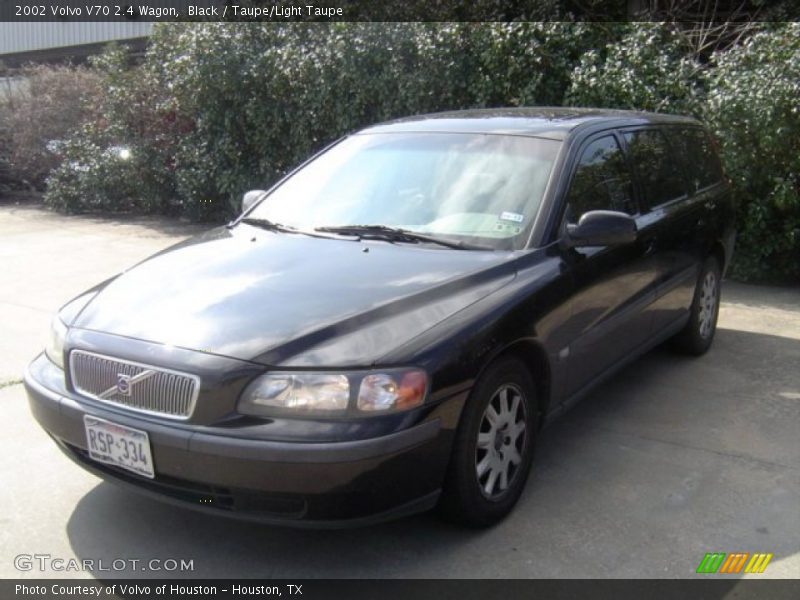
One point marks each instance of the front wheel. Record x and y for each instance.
(696, 337)
(493, 449)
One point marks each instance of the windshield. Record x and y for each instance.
(470, 187)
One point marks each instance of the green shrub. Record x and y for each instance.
(120, 160)
(92, 176)
(648, 68)
(753, 105)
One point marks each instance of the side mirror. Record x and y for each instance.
(601, 228)
(251, 198)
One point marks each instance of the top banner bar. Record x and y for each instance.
(388, 10)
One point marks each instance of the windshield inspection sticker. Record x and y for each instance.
(511, 216)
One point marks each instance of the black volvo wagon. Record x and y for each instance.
(389, 326)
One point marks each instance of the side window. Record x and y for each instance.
(655, 166)
(704, 166)
(601, 181)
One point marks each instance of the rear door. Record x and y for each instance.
(615, 285)
(668, 165)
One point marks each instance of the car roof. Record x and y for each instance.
(547, 122)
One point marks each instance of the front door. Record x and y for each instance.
(614, 286)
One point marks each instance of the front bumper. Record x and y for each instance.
(304, 484)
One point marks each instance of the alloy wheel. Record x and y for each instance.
(708, 304)
(502, 436)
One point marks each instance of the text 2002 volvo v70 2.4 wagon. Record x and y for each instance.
(389, 326)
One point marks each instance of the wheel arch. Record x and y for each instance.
(533, 355)
(718, 252)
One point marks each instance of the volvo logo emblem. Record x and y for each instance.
(123, 384)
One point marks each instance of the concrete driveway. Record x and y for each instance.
(671, 459)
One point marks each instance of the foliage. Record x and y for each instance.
(647, 68)
(753, 107)
(44, 108)
(121, 160)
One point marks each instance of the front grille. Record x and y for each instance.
(138, 387)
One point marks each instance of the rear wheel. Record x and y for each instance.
(493, 449)
(696, 337)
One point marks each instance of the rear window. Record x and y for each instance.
(701, 161)
(656, 167)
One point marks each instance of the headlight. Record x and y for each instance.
(382, 392)
(55, 343)
(300, 392)
(334, 393)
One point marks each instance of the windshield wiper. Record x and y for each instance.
(269, 225)
(280, 227)
(396, 234)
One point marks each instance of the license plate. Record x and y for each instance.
(119, 446)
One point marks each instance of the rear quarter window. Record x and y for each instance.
(700, 158)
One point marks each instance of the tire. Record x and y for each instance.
(502, 451)
(696, 337)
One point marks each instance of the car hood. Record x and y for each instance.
(291, 299)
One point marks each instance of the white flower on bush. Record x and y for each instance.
(121, 152)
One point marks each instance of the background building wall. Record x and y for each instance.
(69, 40)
